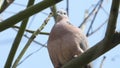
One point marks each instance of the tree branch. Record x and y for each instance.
(67, 7)
(30, 41)
(17, 39)
(98, 28)
(53, 10)
(101, 64)
(35, 41)
(112, 19)
(84, 21)
(26, 13)
(31, 31)
(5, 4)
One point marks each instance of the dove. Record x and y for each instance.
(65, 41)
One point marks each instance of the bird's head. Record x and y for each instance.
(61, 14)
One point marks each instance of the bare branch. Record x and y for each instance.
(90, 14)
(98, 28)
(31, 31)
(67, 3)
(36, 41)
(33, 40)
(29, 55)
(102, 61)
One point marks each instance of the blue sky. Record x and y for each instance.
(76, 16)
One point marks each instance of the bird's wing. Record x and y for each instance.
(83, 42)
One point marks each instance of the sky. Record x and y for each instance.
(41, 58)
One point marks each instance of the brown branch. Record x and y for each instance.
(112, 19)
(101, 47)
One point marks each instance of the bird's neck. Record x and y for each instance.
(62, 19)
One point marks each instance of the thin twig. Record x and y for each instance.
(36, 41)
(98, 28)
(104, 10)
(29, 55)
(89, 14)
(31, 21)
(96, 12)
(33, 40)
(19, 4)
(102, 61)
(67, 3)
(31, 31)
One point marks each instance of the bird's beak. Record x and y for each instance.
(58, 14)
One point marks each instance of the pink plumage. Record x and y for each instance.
(65, 41)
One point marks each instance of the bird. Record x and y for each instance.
(65, 41)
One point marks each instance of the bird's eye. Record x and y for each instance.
(64, 13)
